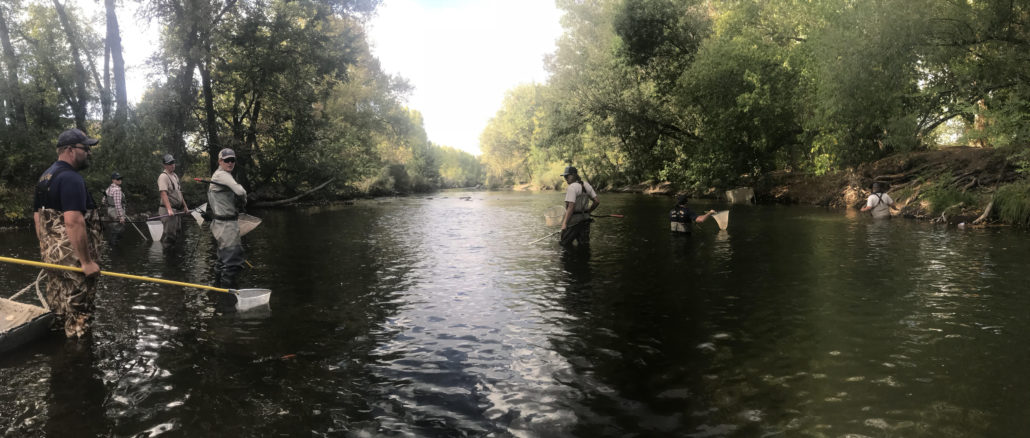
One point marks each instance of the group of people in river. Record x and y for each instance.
(581, 200)
(69, 226)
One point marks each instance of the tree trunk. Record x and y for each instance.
(213, 145)
(13, 83)
(114, 41)
(81, 97)
(251, 144)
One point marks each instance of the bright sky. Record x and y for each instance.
(461, 56)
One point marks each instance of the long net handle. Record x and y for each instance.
(111, 274)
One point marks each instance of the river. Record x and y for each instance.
(432, 316)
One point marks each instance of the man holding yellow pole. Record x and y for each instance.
(69, 231)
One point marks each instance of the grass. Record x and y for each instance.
(1013, 204)
(941, 197)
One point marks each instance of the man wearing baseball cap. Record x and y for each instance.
(222, 196)
(69, 231)
(115, 203)
(172, 201)
(575, 226)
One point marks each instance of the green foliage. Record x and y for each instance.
(1013, 204)
(942, 196)
(290, 85)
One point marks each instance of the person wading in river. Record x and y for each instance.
(172, 201)
(222, 197)
(115, 203)
(69, 231)
(575, 225)
(879, 202)
(680, 216)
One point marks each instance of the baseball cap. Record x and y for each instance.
(226, 153)
(168, 159)
(116, 175)
(73, 137)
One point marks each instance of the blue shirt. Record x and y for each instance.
(62, 188)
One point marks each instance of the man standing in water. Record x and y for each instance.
(575, 225)
(68, 227)
(115, 208)
(880, 203)
(172, 201)
(681, 216)
(221, 197)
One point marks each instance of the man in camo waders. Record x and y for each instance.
(575, 224)
(222, 196)
(68, 227)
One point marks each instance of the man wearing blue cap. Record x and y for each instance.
(69, 231)
(222, 197)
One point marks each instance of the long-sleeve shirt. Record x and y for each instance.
(114, 200)
(226, 179)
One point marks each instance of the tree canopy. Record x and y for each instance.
(290, 85)
(710, 93)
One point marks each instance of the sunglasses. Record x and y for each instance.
(79, 146)
(229, 160)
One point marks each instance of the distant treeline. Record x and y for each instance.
(709, 93)
(289, 84)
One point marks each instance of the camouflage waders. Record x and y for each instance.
(70, 295)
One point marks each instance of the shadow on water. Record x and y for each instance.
(434, 317)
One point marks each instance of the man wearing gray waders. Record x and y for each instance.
(172, 201)
(69, 232)
(222, 196)
(575, 225)
(115, 203)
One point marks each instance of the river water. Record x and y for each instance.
(434, 317)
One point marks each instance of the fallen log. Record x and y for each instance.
(293, 199)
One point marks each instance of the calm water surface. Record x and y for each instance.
(433, 317)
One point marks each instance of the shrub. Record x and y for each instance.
(1012, 204)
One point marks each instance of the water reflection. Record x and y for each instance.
(433, 317)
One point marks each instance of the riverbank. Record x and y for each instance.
(952, 185)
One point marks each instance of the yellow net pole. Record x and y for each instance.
(111, 274)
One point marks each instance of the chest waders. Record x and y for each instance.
(225, 226)
(70, 295)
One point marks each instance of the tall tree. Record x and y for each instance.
(114, 47)
(80, 77)
(13, 83)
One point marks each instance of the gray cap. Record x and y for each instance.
(168, 159)
(226, 153)
(74, 137)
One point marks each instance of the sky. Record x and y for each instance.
(461, 56)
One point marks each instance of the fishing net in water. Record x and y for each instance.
(722, 218)
(553, 215)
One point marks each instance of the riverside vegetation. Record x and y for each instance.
(805, 101)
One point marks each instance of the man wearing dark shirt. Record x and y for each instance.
(68, 228)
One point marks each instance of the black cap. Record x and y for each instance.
(570, 171)
(116, 175)
(73, 137)
(682, 200)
